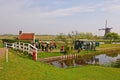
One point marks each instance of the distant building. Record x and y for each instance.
(26, 36)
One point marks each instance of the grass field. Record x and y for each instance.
(40, 37)
(109, 45)
(19, 68)
(1, 45)
(23, 68)
(101, 48)
(48, 54)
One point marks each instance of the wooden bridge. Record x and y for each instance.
(57, 58)
(25, 47)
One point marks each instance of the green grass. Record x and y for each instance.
(108, 45)
(20, 68)
(1, 45)
(48, 54)
(113, 47)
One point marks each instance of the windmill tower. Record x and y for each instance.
(106, 29)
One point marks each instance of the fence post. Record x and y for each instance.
(23, 47)
(13, 45)
(19, 46)
(6, 52)
(36, 54)
(29, 49)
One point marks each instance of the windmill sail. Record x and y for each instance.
(107, 29)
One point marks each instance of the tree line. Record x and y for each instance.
(75, 35)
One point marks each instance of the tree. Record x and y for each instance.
(67, 47)
(89, 35)
(74, 35)
(62, 37)
(112, 36)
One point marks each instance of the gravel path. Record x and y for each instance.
(2, 51)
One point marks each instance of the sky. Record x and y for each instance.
(58, 16)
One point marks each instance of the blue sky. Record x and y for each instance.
(58, 16)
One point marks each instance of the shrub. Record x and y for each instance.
(12, 41)
(69, 49)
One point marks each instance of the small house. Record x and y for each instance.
(26, 36)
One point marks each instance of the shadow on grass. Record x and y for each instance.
(21, 54)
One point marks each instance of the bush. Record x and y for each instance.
(69, 49)
(12, 41)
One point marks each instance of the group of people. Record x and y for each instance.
(86, 45)
(45, 46)
(89, 45)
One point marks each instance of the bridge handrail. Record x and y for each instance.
(22, 46)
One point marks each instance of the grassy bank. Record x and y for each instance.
(20, 68)
(104, 48)
(48, 54)
(1, 44)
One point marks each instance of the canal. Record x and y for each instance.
(101, 59)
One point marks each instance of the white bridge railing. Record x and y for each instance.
(25, 47)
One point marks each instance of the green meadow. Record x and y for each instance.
(21, 67)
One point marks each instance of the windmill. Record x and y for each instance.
(107, 29)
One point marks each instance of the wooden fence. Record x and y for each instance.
(25, 47)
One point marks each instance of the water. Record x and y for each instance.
(102, 59)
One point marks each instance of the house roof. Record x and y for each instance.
(26, 36)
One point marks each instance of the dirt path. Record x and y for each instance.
(2, 51)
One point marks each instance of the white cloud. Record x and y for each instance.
(108, 6)
(111, 8)
(20, 7)
(114, 8)
(23, 13)
(57, 2)
(69, 11)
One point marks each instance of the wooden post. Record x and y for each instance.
(6, 54)
(23, 47)
(19, 46)
(29, 49)
(13, 46)
(36, 54)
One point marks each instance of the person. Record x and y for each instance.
(84, 45)
(42, 46)
(91, 45)
(97, 44)
(62, 49)
(37, 45)
(55, 46)
(80, 46)
(94, 46)
(51, 46)
(47, 46)
(87, 45)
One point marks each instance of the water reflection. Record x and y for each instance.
(112, 55)
(116, 64)
(102, 59)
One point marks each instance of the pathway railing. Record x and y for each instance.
(25, 47)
